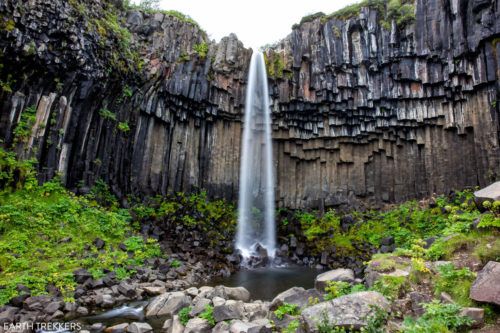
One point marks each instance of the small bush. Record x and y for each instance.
(286, 308)
(201, 49)
(184, 315)
(456, 282)
(438, 317)
(123, 127)
(208, 315)
(391, 286)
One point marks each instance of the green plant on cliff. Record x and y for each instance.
(201, 49)
(123, 127)
(274, 64)
(208, 315)
(456, 282)
(23, 128)
(107, 114)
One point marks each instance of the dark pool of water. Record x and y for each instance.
(266, 283)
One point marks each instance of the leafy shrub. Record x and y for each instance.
(456, 282)
(391, 286)
(175, 263)
(22, 131)
(286, 308)
(184, 315)
(489, 221)
(107, 115)
(123, 127)
(438, 317)
(201, 49)
(208, 315)
(292, 327)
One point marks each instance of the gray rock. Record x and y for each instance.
(139, 328)
(82, 311)
(126, 289)
(7, 315)
(258, 326)
(236, 293)
(295, 295)
(340, 274)
(230, 310)
(199, 306)
(476, 314)
(154, 291)
(351, 310)
(197, 325)
(53, 307)
(486, 287)
(221, 327)
(490, 193)
(167, 305)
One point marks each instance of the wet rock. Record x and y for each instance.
(139, 328)
(347, 311)
(486, 287)
(341, 274)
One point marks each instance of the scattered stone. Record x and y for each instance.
(221, 327)
(81, 275)
(476, 314)
(417, 299)
(446, 298)
(486, 287)
(53, 307)
(218, 301)
(347, 311)
(341, 274)
(120, 328)
(154, 291)
(98, 243)
(257, 326)
(82, 311)
(197, 325)
(7, 315)
(199, 306)
(139, 328)
(237, 293)
(126, 289)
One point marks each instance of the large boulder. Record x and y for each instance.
(295, 295)
(489, 193)
(167, 305)
(486, 287)
(347, 311)
(229, 310)
(236, 293)
(340, 274)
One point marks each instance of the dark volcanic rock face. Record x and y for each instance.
(359, 112)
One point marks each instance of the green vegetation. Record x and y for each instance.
(286, 309)
(201, 49)
(184, 315)
(438, 317)
(127, 92)
(275, 64)
(401, 11)
(45, 232)
(6, 85)
(23, 128)
(216, 218)
(456, 282)
(336, 289)
(208, 315)
(123, 127)
(391, 286)
(292, 327)
(7, 23)
(107, 115)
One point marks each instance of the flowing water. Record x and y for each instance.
(256, 223)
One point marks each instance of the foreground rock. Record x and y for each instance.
(341, 274)
(489, 193)
(486, 287)
(352, 310)
(296, 295)
(167, 305)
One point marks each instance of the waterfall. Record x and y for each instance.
(256, 225)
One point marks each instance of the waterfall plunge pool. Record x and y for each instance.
(267, 282)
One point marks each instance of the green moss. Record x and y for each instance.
(383, 262)
(275, 64)
(286, 309)
(107, 114)
(488, 249)
(7, 24)
(391, 286)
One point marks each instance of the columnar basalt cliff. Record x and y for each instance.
(361, 110)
